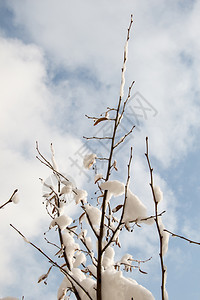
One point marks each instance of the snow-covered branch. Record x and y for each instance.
(14, 198)
(182, 237)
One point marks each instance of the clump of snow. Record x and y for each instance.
(115, 187)
(77, 274)
(126, 261)
(108, 257)
(94, 214)
(117, 287)
(15, 199)
(165, 279)
(90, 286)
(80, 195)
(88, 242)
(165, 294)
(98, 177)
(70, 246)
(55, 166)
(67, 188)
(79, 259)
(63, 288)
(89, 160)
(134, 208)
(62, 221)
(165, 236)
(92, 269)
(158, 194)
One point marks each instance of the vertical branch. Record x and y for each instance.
(100, 238)
(163, 270)
(124, 205)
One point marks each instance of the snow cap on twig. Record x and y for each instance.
(62, 221)
(98, 177)
(67, 188)
(115, 187)
(158, 194)
(89, 160)
(80, 195)
(134, 208)
(15, 199)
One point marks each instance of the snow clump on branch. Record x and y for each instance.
(98, 177)
(134, 208)
(15, 199)
(67, 188)
(89, 160)
(94, 214)
(165, 236)
(62, 221)
(158, 194)
(117, 287)
(114, 187)
(80, 195)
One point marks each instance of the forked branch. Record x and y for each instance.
(10, 200)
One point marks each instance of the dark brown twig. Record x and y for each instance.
(125, 102)
(163, 270)
(182, 237)
(124, 137)
(124, 205)
(65, 272)
(97, 138)
(10, 200)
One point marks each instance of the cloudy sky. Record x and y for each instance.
(60, 60)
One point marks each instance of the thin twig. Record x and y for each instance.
(10, 200)
(125, 102)
(49, 165)
(48, 242)
(66, 273)
(148, 218)
(97, 138)
(124, 137)
(182, 237)
(163, 270)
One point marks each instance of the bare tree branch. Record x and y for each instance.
(157, 222)
(65, 272)
(10, 200)
(125, 102)
(182, 237)
(124, 137)
(98, 138)
(124, 205)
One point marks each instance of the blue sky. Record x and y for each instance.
(62, 60)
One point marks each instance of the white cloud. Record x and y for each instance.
(25, 117)
(157, 42)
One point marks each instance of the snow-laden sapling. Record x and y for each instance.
(86, 253)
